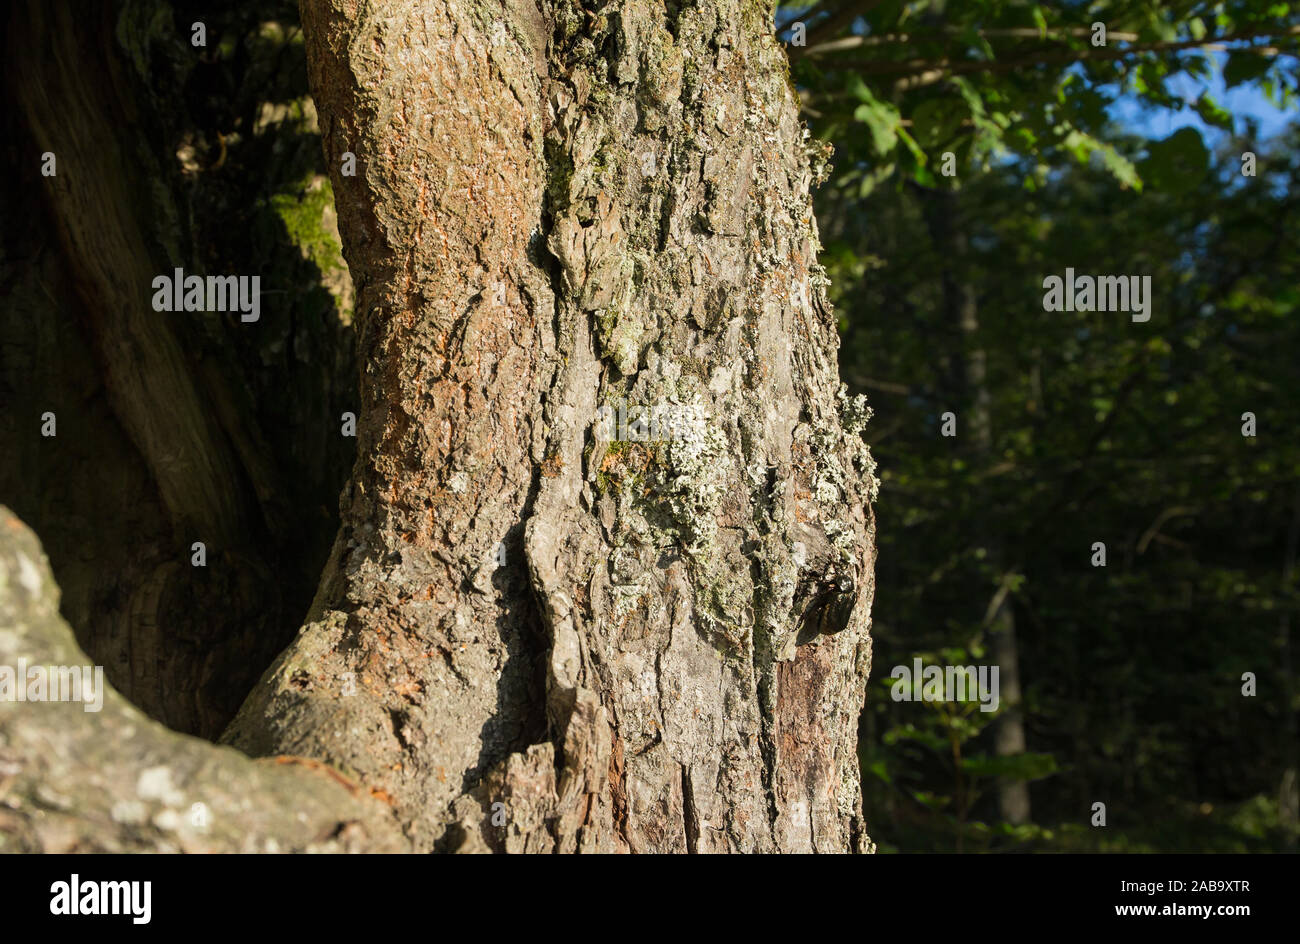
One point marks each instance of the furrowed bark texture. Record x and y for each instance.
(557, 210)
(112, 780)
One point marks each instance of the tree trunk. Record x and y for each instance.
(170, 429)
(539, 631)
(1000, 621)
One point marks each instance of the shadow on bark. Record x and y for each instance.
(171, 428)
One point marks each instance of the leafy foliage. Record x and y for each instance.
(1101, 429)
(896, 84)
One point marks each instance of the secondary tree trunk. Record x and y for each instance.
(536, 632)
(172, 428)
(963, 314)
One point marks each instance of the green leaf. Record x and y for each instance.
(1177, 163)
(931, 800)
(859, 90)
(1039, 20)
(1212, 113)
(923, 176)
(875, 177)
(881, 118)
(1015, 767)
(912, 146)
(937, 121)
(1120, 167)
(1084, 146)
(1244, 67)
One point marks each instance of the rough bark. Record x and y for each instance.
(112, 780)
(557, 211)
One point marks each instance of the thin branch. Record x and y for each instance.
(1172, 542)
(995, 604)
(809, 14)
(917, 66)
(904, 39)
(838, 20)
(843, 17)
(1154, 530)
(887, 386)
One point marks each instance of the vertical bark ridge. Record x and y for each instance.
(667, 571)
(637, 180)
(442, 112)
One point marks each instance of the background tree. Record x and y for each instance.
(1103, 431)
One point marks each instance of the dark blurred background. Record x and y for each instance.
(1073, 428)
